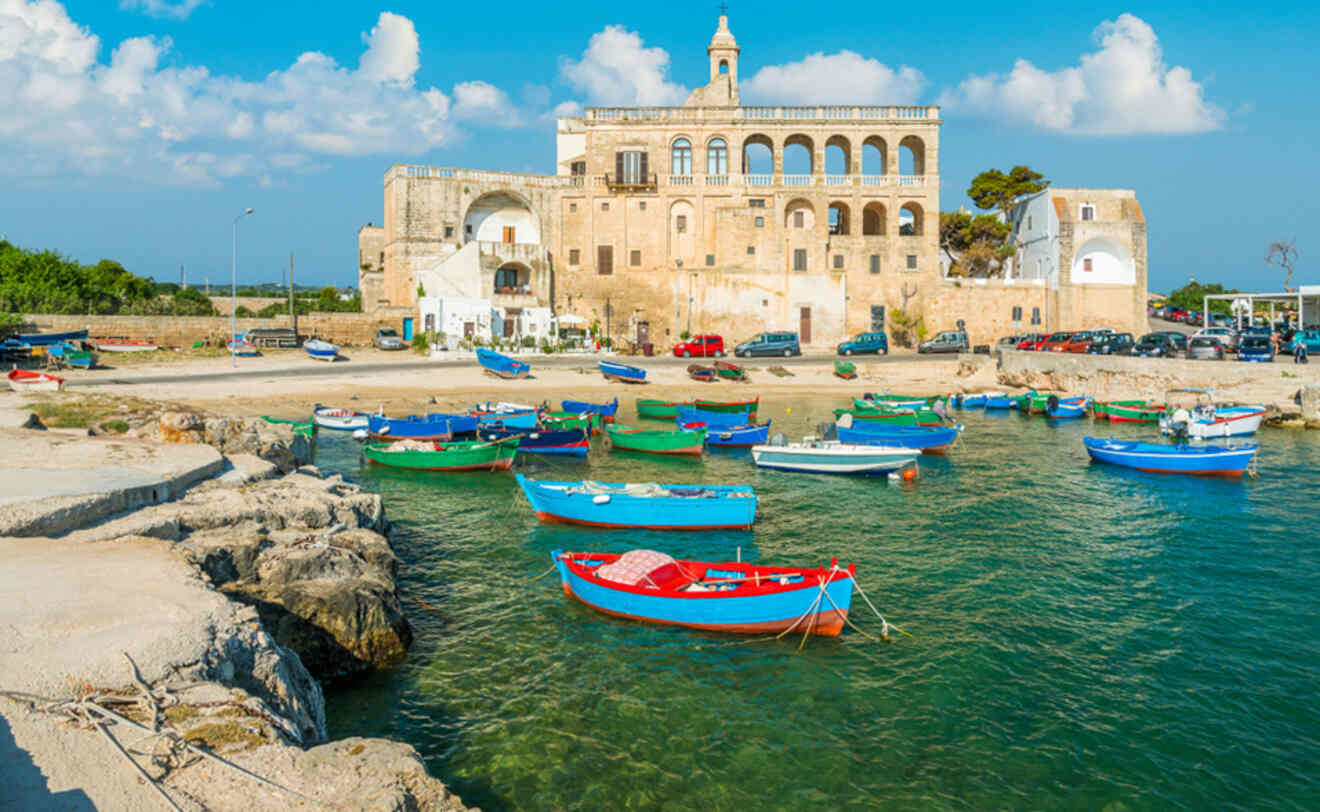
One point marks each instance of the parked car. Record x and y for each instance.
(1155, 345)
(864, 343)
(1081, 340)
(1176, 314)
(704, 346)
(1179, 339)
(784, 344)
(387, 338)
(1310, 337)
(1111, 344)
(1226, 335)
(947, 341)
(1256, 348)
(1205, 348)
(1032, 341)
(1056, 342)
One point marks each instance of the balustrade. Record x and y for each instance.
(838, 180)
(796, 180)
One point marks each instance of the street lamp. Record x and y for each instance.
(233, 294)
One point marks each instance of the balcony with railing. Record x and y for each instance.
(632, 183)
(833, 114)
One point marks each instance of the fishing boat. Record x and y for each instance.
(623, 373)
(47, 339)
(1129, 411)
(747, 407)
(21, 380)
(658, 409)
(1057, 408)
(453, 456)
(500, 365)
(892, 417)
(508, 415)
(831, 456)
(605, 410)
(647, 506)
(239, 345)
(431, 427)
(1206, 419)
(703, 374)
(307, 427)
(723, 429)
(319, 350)
(656, 441)
(928, 440)
(727, 596)
(72, 356)
(13, 349)
(125, 345)
(1204, 460)
(845, 369)
(873, 399)
(569, 421)
(328, 417)
(727, 371)
(998, 401)
(572, 442)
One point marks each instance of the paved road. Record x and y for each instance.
(349, 369)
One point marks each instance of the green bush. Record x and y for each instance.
(10, 323)
(421, 343)
(529, 342)
(243, 312)
(685, 335)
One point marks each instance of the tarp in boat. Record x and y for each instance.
(638, 568)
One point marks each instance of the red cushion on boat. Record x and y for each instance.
(634, 567)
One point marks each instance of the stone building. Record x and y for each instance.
(707, 217)
(371, 266)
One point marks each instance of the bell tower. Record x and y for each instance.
(723, 51)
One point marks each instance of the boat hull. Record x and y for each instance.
(339, 419)
(451, 457)
(502, 365)
(1230, 422)
(605, 410)
(1194, 460)
(934, 440)
(657, 409)
(46, 339)
(733, 507)
(622, 372)
(575, 443)
(823, 460)
(647, 441)
(24, 381)
(747, 407)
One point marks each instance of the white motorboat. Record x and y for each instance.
(1208, 420)
(328, 417)
(831, 456)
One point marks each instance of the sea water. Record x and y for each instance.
(1084, 636)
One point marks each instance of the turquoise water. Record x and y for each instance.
(1085, 637)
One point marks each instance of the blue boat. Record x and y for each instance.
(1204, 460)
(927, 439)
(1000, 402)
(622, 372)
(47, 339)
(605, 410)
(690, 414)
(501, 365)
(502, 416)
(731, 430)
(574, 442)
(432, 427)
(1066, 408)
(72, 356)
(320, 350)
(647, 506)
(727, 596)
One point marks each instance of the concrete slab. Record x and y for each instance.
(51, 483)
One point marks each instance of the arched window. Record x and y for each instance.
(682, 155)
(717, 157)
(724, 66)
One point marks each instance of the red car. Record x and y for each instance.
(1080, 342)
(1032, 342)
(1056, 342)
(701, 347)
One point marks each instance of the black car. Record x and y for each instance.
(1155, 345)
(1111, 344)
(1179, 339)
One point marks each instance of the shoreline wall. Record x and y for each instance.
(182, 331)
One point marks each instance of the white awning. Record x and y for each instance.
(569, 318)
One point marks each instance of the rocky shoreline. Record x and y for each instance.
(208, 612)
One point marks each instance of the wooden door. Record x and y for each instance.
(877, 318)
(804, 328)
(510, 234)
(604, 259)
(643, 332)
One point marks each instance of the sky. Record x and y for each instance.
(138, 129)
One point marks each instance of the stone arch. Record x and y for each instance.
(875, 156)
(911, 156)
(513, 277)
(724, 66)
(751, 163)
(873, 219)
(911, 220)
(836, 147)
(800, 205)
(491, 213)
(839, 216)
(680, 155)
(1108, 260)
(792, 154)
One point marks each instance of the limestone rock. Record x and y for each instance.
(1309, 399)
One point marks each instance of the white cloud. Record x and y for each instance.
(842, 78)
(176, 10)
(139, 115)
(616, 69)
(568, 109)
(1124, 88)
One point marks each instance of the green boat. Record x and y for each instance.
(1132, 411)
(895, 417)
(467, 456)
(730, 407)
(570, 421)
(658, 409)
(845, 369)
(654, 441)
(299, 427)
(1033, 403)
(895, 402)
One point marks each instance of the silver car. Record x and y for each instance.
(1205, 348)
(387, 338)
(1226, 335)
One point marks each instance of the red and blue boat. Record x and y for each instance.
(636, 505)
(506, 415)
(623, 373)
(605, 410)
(1058, 408)
(1202, 460)
(728, 596)
(435, 427)
(573, 442)
(730, 430)
(501, 365)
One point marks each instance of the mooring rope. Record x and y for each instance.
(886, 624)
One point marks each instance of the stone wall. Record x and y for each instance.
(253, 303)
(181, 331)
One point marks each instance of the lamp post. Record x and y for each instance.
(233, 294)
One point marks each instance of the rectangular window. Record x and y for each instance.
(382, 259)
(634, 258)
(760, 222)
(756, 203)
(449, 231)
(630, 167)
(1028, 222)
(605, 206)
(572, 207)
(838, 261)
(751, 249)
(510, 234)
(1086, 264)
(710, 260)
(642, 205)
(875, 263)
(680, 223)
(604, 260)
(799, 259)
(578, 168)
(798, 220)
(1088, 211)
(467, 229)
(912, 262)
(574, 256)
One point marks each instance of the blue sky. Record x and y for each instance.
(137, 129)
